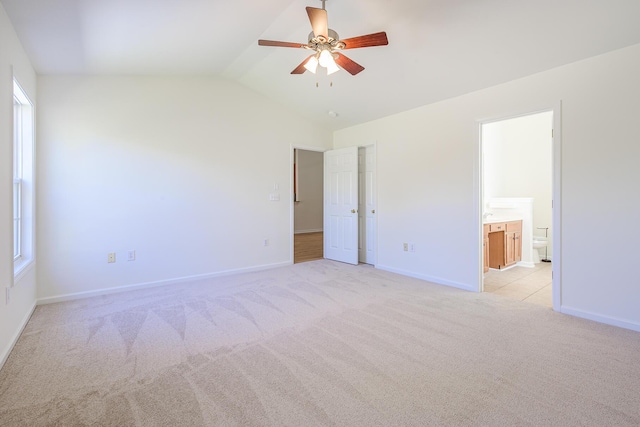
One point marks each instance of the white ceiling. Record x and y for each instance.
(437, 48)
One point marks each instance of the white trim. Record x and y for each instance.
(613, 321)
(16, 336)
(126, 288)
(21, 94)
(22, 269)
(503, 268)
(436, 280)
(478, 185)
(28, 181)
(313, 230)
(556, 221)
(526, 264)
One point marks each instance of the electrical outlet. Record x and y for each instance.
(111, 257)
(266, 242)
(405, 247)
(412, 247)
(131, 256)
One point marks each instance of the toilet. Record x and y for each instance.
(538, 243)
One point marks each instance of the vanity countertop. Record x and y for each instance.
(496, 219)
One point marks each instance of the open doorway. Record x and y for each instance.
(518, 179)
(308, 177)
(329, 216)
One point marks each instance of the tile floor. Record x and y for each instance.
(524, 284)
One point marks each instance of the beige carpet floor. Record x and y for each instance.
(317, 344)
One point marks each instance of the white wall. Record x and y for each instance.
(14, 314)
(178, 169)
(427, 181)
(518, 163)
(309, 207)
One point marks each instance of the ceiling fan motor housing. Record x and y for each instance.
(332, 36)
(321, 42)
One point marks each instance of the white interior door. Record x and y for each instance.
(367, 204)
(341, 205)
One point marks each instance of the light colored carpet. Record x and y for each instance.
(319, 343)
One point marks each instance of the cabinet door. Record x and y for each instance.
(485, 245)
(510, 249)
(496, 249)
(517, 246)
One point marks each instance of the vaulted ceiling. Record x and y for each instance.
(437, 49)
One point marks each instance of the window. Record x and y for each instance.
(23, 179)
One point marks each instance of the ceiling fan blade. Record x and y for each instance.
(352, 67)
(279, 44)
(370, 40)
(319, 22)
(300, 68)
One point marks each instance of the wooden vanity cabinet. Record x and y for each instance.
(505, 244)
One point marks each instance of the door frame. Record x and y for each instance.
(556, 224)
(292, 149)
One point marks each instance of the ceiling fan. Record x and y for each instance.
(327, 45)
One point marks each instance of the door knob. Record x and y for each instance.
(353, 211)
(373, 211)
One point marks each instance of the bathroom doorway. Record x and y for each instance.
(519, 181)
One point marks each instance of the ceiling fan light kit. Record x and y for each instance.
(312, 64)
(327, 45)
(332, 67)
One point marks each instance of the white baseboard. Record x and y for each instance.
(16, 336)
(312, 230)
(432, 279)
(613, 321)
(525, 264)
(125, 288)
